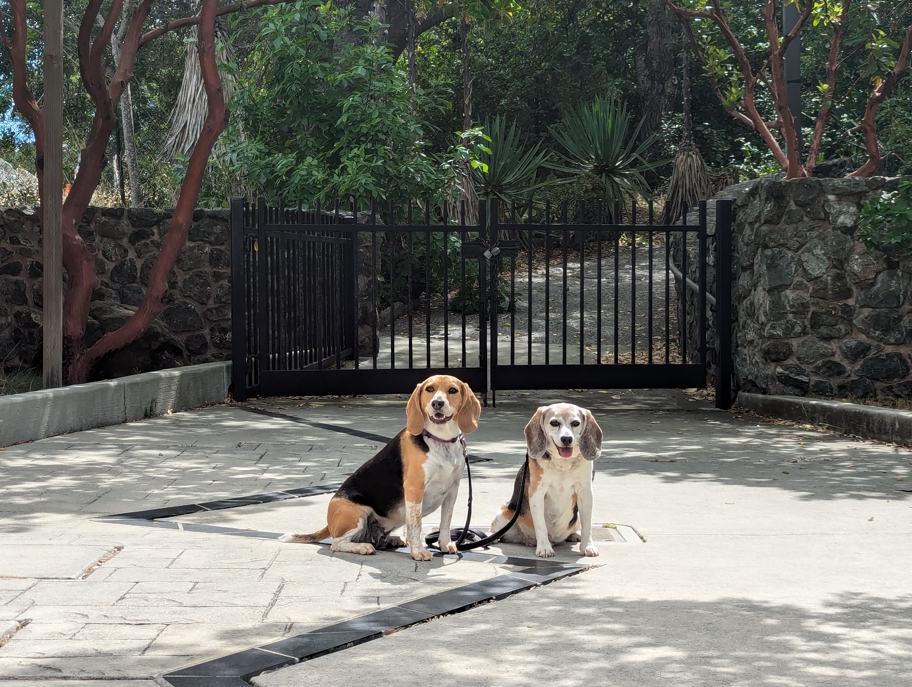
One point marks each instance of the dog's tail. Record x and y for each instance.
(294, 538)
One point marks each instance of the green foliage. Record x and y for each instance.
(509, 170)
(597, 139)
(327, 118)
(885, 221)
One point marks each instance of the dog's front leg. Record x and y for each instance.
(414, 496)
(584, 501)
(543, 546)
(446, 517)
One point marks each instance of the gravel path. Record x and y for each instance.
(593, 310)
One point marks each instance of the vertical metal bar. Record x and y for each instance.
(547, 282)
(633, 297)
(494, 299)
(263, 274)
(650, 281)
(564, 241)
(723, 320)
(582, 295)
(427, 282)
(617, 281)
(392, 289)
(701, 301)
(462, 277)
(683, 322)
(483, 298)
(667, 297)
(375, 285)
(446, 287)
(238, 302)
(410, 256)
(598, 286)
(351, 282)
(513, 289)
(530, 304)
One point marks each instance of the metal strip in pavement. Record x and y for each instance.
(237, 669)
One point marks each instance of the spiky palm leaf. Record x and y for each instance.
(598, 139)
(512, 169)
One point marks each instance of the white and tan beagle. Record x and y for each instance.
(561, 441)
(416, 473)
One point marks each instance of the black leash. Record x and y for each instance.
(478, 539)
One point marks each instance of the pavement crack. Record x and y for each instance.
(272, 603)
(269, 565)
(153, 640)
(100, 562)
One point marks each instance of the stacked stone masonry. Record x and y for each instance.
(818, 313)
(195, 325)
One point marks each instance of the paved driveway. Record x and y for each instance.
(772, 555)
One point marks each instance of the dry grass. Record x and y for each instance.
(19, 381)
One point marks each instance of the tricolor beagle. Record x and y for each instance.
(561, 440)
(416, 473)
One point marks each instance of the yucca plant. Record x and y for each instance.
(511, 169)
(599, 139)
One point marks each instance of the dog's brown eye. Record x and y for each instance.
(453, 390)
(555, 423)
(575, 423)
(430, 389)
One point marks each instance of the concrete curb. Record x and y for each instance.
(40, 414)
(868, 422)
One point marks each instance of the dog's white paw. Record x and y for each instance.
(590, 551)
(422, 555)
(449, 547)
(544, 552)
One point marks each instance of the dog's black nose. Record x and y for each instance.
(566, 441)
(437, 404)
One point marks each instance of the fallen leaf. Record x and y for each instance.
(785, 472)
(871, 519)
(609, 525)
(900, 479)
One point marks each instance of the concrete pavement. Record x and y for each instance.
(772, 555)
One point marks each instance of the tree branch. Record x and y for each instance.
(190, 21)
(793, 166)
(826, 103)
(750, 80)
(867, 124)
(216, 121)
(23, 98)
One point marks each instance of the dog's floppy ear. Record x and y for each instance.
(414, 413)
(590, 441)
(469, 412)
(536, 441)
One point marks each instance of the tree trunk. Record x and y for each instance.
(126, 118)
(216, 121)
(129, 134)
(655, 68)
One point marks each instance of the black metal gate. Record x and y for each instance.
(525, 297)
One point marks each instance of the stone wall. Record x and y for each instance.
(195, 325)
(817, 313)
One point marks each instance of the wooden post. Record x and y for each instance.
(52, 234)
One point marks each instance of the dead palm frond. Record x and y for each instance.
(189, 111)
(690, 182)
